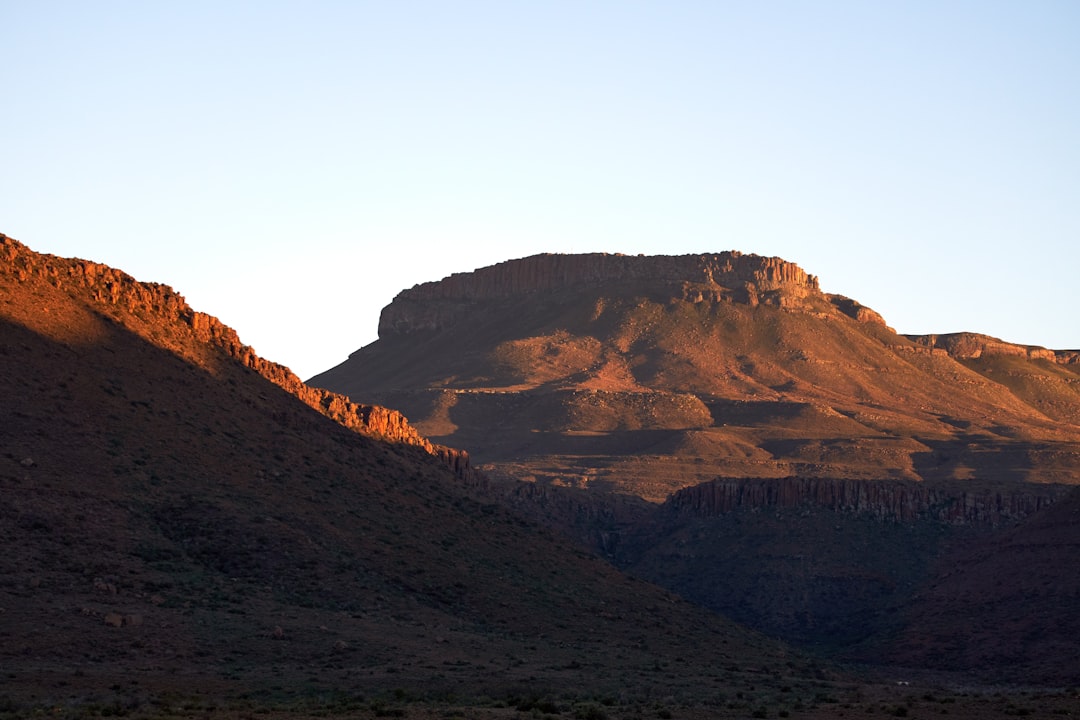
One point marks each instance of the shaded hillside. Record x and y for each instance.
(182, 517)
(647, 374)
(1010, 601)
(921, 574)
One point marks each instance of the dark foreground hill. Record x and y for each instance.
(183, 519)
(720, 425)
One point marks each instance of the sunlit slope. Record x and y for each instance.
(571, 378)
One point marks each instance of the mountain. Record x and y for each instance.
(720, 425)
(646, 374)
(185, 522)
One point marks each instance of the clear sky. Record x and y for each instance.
(290, 166)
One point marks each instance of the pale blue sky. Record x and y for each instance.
(291, 166)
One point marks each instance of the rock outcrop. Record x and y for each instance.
(857, 311)
(158, 304)
(728, 276)
(969, 346)
(886, 500)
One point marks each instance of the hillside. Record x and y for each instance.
(1009, 601)
(185, 520)
(645, 375)
(720, 425)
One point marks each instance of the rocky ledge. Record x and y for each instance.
(970, 346)
(886, 500)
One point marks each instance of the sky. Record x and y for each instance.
(289, 167)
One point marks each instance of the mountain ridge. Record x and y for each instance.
(729, 276)
(720, 348)
(116, 289)
(971, 345)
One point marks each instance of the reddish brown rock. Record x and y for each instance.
(856, 310)
(727, 276)
(160, 304)
(967, 345)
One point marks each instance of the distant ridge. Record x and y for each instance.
(729, 276)
(546, 272)
(971, 346)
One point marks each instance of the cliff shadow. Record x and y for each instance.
(975, 458)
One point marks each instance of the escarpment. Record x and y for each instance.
(886, 500)
(728, 276)
(970, 346)
(150, 307)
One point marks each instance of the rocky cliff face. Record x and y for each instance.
(727, 276)
(604, 521)
(825, 562)
(160, 305)
(886, 500)
(969, 346)
(856, 310)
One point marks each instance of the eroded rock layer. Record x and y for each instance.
(969, 346)
(728, 276)
(889, 500)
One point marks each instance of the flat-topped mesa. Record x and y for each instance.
(730, 276)
(969, 346)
